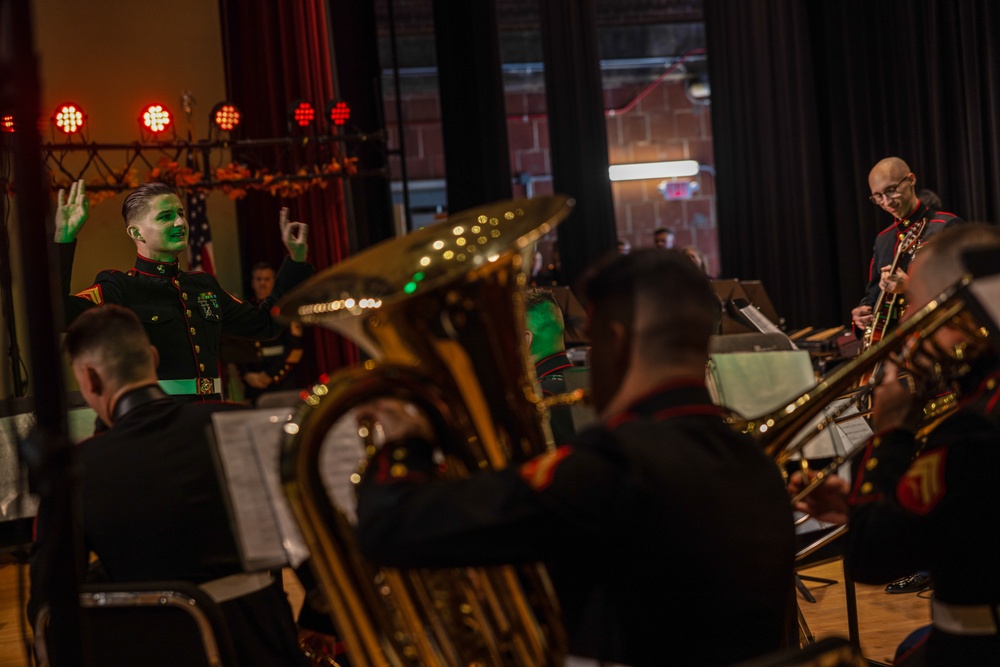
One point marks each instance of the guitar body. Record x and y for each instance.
(887, 307)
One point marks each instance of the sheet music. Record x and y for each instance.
(760, 321)
(247, 447)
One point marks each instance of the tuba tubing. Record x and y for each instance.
(441, 312)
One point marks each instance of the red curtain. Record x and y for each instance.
(276, 52)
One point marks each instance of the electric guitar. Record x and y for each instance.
(884, 308)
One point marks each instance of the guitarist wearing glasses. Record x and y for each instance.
(893, 188)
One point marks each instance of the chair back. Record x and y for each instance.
(155, 624)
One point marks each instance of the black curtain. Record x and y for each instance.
(808, 96)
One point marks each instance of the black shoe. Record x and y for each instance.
(911, 584)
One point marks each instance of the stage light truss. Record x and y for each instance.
(118, 167)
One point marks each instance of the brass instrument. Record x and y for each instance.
(441, 312)
(777, 429)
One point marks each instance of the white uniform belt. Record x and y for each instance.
(236, 585)
(194, 386)
(964, 619)
(272, 351)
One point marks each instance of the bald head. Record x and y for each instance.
(891, 167)
(892, 187)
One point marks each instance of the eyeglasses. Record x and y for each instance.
(890, 192)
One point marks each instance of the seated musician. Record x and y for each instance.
(151, 505)
(932, 504)
(666, 532)
(893, 190)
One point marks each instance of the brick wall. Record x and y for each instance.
(663, 125)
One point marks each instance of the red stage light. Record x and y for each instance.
(68, 118)
(155, 118)
(225, 116)
(337, 112)
(303, 114)
(7, 124)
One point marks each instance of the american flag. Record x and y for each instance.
(200, 237)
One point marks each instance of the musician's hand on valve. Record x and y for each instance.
(398, 420)
(71, 212)
(862, 316)
(896, 404)
(827, 502)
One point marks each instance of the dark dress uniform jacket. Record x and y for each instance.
(549, 372)
(184, 313)
(666, 533)
(887, 243)
(153, 510)
(937, 511)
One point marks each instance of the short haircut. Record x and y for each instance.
(261, 266)
(677, 299)
(117, 339)
(942, 262)
(930, 199)
(545, 318)
(663, 230)
(137, 202)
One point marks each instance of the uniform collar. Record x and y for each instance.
(154, 268)
(131, 400)
(919, 212)
(551, 364)
(685, 396)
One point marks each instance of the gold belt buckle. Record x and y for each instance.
(206, 386)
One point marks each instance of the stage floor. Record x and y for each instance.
(884, 620)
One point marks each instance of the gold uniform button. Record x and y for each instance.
(156, 317)
(201, 367)
(876, 442)
(184, 295)
(193, 332)
(871, 464)
(399, 453)
(991, 384)
(398, 470)
(188, 313)
(197, 349)
(866, 487)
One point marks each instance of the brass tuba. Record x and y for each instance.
(441, 313)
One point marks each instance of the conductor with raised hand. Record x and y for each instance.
(184, 313)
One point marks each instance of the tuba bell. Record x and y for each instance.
(440, 312)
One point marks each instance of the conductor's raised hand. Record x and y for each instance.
(71, 212)
(295, 236)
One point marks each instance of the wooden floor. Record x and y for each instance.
(884, 620)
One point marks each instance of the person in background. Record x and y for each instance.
(893, 189)
(624, 247)
(546, 342)
(663, 238)
(278, 359)
(698, 257)
(184, 313)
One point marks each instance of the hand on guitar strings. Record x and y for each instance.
(893, 283)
